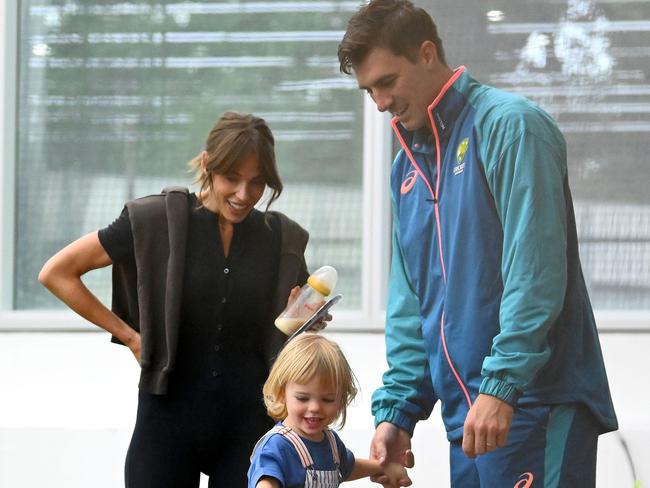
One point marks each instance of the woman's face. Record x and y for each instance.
(234, 195)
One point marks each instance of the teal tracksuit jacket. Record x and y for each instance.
(486, 292)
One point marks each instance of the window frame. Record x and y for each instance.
(375, 208)
(377, 142)
(377, 156)
(8, 85)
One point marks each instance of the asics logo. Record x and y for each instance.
(409, 181)
(525, 481)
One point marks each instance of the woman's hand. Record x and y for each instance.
(321, 324)
(318, 326)
(293, 296)
(134, 343)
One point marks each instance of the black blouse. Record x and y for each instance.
(225, 306)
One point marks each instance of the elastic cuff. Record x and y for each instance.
(500, 389)
(396, 418)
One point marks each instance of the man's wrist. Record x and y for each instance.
(504, 391)
(397, 418)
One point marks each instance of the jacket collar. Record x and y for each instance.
(443, 112)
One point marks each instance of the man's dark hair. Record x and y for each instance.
(396, 25)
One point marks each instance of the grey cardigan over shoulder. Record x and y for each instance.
(147, 295)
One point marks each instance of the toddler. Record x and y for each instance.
(309, 388)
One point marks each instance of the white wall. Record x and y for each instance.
(67, 406)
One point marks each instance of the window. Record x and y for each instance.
(587, 63)
(115, 98)
(112, 98)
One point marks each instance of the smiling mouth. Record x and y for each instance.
(312, 421)
(237, 206)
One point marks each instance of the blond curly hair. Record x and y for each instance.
(304, 358)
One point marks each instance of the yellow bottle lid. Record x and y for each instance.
(323, 280)
(319, 285)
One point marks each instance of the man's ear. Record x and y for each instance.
(429, 53)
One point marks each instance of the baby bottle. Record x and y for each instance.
(312, 295)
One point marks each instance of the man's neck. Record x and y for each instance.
(440, 79)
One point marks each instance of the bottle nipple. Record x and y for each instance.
(312, 295)
(323, 280)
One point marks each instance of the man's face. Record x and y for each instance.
(398, 85)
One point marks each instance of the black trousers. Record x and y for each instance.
(180, 435)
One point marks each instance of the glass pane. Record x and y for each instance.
(115, 97)
(588, 64)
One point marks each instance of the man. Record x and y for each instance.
(488, 309)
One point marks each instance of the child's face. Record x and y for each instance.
(310, 408)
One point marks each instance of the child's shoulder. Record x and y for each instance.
(273, 441)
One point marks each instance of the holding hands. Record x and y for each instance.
(395, 475)
(391, 446)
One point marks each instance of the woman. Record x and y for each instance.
(197, 281)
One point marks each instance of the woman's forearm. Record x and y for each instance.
(74, 293)
(62, 273)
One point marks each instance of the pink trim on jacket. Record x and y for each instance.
(459, 71)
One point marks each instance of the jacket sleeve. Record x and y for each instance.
(527, 183)
(407, 393)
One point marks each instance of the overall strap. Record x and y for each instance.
(333, 446)
(299, 446)
(303, 452)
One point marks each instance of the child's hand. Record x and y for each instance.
(397, 475)
(391, 474)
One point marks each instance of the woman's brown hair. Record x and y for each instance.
(233, 137)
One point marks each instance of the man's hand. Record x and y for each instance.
(486, 426)
(391, 444)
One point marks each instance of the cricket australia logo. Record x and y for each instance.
(460, 156)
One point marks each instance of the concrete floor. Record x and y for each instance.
(68, 400)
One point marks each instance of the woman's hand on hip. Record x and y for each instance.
(134, 343)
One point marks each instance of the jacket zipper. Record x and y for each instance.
(434, 194)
